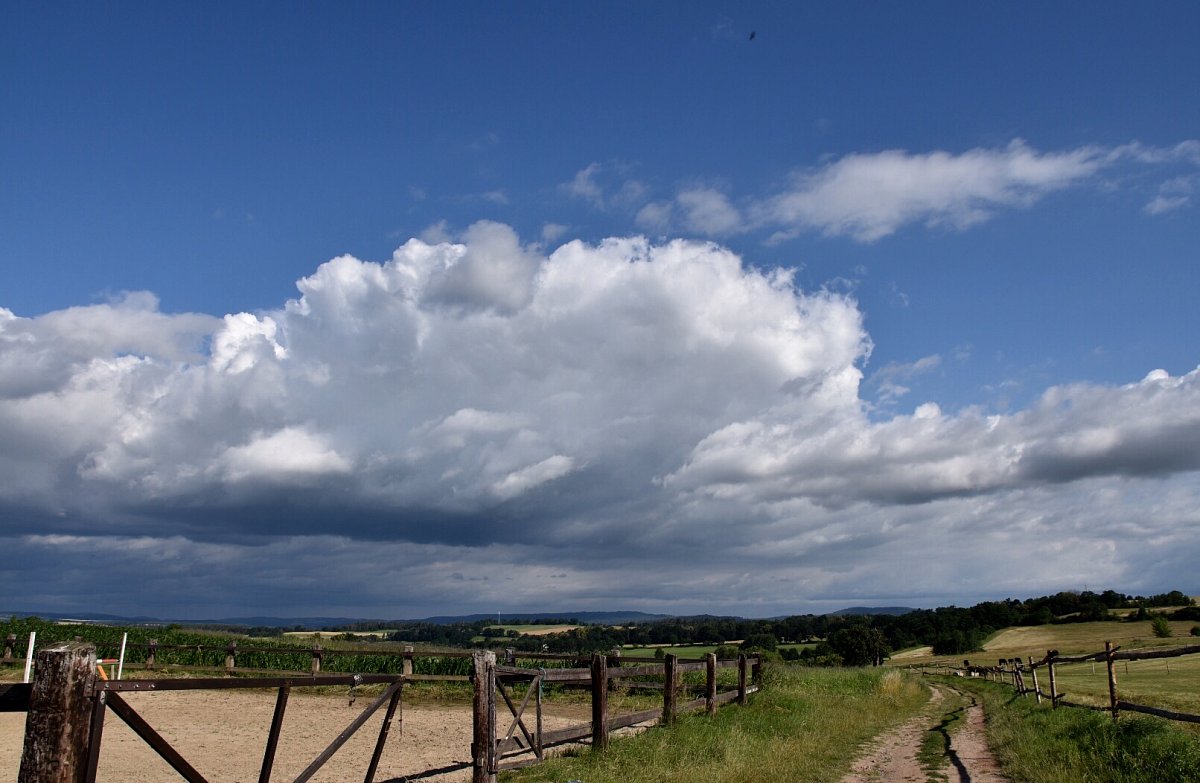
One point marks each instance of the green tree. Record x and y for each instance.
(1160, 626)
(859, 645)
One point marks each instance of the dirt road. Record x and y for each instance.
(892, 757)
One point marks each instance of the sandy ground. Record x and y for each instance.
(892, 757)
(223, 735)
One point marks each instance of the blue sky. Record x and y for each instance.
(948, 252)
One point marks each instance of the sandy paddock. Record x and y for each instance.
(223, 735)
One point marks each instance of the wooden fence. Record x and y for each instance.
(67, 703)
(1014, 670)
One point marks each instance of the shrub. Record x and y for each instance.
(1196, 630)
(1160, 626)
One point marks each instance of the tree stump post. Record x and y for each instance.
(1053, 685)
(599, 702)
(710, 683)
(60, 706)
(741, 699)
(408, 660)
(483, 727)
(1112, 678)
(670, 690)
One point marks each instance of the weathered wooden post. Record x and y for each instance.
(151, 653)
(10, 646)
(1053, 685)
(741, 678)
(317, 654)
(1037, 691)
(60, 704)
(756, 671)
(1112, 678)
(599, 702)
(710, 683)
(408, 660)
(231, 656)
(510, 656)
(670, 688)
(483, 728)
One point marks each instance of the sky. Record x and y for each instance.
(402, 309)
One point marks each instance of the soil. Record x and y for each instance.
(223, 735)
(892, 756)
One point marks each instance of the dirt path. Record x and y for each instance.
(893, 756)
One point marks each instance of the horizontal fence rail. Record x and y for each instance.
(1014, 670)
(69, 698)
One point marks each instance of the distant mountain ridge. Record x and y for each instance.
(894, 611)
(319, 623)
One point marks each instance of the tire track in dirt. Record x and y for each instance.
(892, 756)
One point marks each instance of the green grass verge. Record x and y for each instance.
(1037, 744)
(947, 718)
(806, 724)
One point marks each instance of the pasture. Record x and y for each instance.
(1169, 683)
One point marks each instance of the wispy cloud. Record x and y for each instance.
(869, 196)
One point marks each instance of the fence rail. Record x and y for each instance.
(1015, 669)
(67, 704)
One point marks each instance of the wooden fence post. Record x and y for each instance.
(151, 653)
(756, 671)
(1112, 678)
(60, 705)
(10, 646)
(316, 658)
(231, 656)
(1053, 685)
(741, 699)
(407, 666)
(599, 702)
(1037, 690)
(710, 683)
(483, 741)
(670, 688)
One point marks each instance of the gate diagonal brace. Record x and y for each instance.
(517, 713)
(347, 733)
(153, 738)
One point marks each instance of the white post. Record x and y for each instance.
(29, 654)
(121, 660)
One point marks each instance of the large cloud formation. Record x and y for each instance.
(476, 424)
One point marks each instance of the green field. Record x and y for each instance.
(1168, 683)
(689, 650)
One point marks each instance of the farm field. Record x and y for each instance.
(1171, 683)
(691, 650)
(380, 634)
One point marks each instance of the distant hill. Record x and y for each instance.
(587, 618)
(869, 610)
(317, 623)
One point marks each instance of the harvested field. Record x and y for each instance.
(223, 734)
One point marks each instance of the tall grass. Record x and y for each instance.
(1037, 744)
(806, 724)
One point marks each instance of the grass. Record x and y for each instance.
(934, 752)
(1169, 683)
(806, 724)
(1036, 744)
(689, 650)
